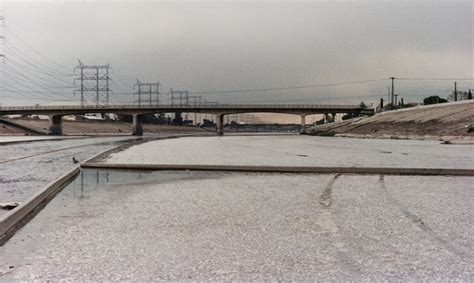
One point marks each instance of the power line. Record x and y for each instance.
(16, 65)
(7, 27)
(120, 80)
(31, 97)
(12, 48)
(35, 67)
(436, 79)
(18, 79)
(47, 94)
(29, 79)
(26, 93)
(286, 88)
(320, 98)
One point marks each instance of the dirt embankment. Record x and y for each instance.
(100, 128)
(450, 119)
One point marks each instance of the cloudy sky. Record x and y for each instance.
(225, 46)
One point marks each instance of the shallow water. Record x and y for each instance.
(28, 167)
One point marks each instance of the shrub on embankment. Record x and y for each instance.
(321, 133)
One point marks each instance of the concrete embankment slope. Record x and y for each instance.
(11, 129)
(80, 128)
(448, 119)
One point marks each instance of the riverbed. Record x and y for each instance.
(200, 225)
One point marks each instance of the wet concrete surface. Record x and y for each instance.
(26, 168)
(299, 151)
(240, 226)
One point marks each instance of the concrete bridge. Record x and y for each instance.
(56, 113)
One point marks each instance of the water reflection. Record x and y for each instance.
(90, 180)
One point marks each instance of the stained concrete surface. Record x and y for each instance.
(299, 151)
(228, 226)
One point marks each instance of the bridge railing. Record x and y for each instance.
(176, 106)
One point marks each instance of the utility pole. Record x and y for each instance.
(90, 81)
(393, 90)
(455, 91)
(388, 94)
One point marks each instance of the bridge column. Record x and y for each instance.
(333, 117)
(327, 119)
(55, 125)
(220, 124)
(137, 125)
(303, 123)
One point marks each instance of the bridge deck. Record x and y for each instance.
(220, 108)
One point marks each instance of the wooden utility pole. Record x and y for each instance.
(455, 91)
(393, 91)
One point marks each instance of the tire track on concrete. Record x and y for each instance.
(326, 197)
(341, 244)
(420, 223)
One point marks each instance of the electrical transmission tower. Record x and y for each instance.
(197, 100)
(93, 79)
(150, 89)
(179, 95)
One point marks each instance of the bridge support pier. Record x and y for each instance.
(55, 125)
(327, 119)
(137, 125)
(220, 124)
(303, 123)
(333, 117)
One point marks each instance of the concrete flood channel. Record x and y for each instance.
(25, 167)
(211, 225)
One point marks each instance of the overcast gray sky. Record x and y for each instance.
(206, 46)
